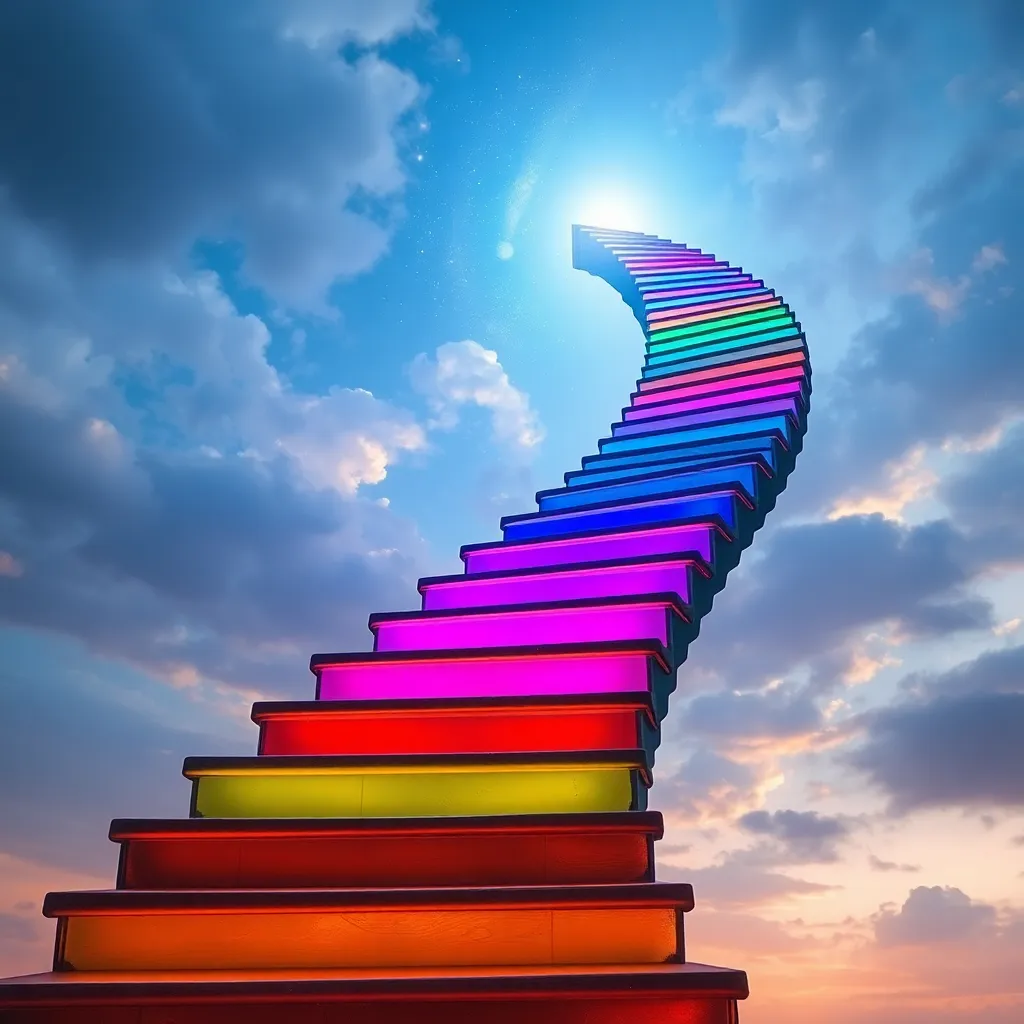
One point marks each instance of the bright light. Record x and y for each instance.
(610, 208)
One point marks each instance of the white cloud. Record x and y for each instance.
(465, 373)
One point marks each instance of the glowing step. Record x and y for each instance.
(666, 398)
(680, 444)
(697, 539)
(208, 853)
(721, 373)
(673, 993)
(743, 476)
(607, 619)
(781, 419)
(224, 930)
(613, 721)
(493, 672)
(417, 785)
(686, 361)
(594, 580)
(796, 388)
(787, 406)
(766, 450)
(722, 507)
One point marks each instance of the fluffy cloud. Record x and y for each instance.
(238, 120)
(803, 836)
(934, 914)
(465, 373)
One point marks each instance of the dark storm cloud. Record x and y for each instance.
(956, 743)
(131, 128)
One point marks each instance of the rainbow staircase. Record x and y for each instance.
(456, 828)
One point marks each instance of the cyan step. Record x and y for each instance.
(759, 349)
(766, 449)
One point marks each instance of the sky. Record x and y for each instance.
(287, 315)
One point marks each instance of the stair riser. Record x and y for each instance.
(666, 540)
(486, 732)
(374, 861)
(398, 795)
(506, 677)
(668, 577)
(378, 938)
(579, 1009)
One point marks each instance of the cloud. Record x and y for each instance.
(804, 836)
(934, 914)
(816, 588)
(233, 121)
(886, 866)
(956, 742)
(465, 373)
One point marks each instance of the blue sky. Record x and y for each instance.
(287, 315)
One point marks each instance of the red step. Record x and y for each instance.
(686, 993)
(211, 853)
(613, 721)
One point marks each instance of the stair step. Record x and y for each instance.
(602, 667)
(742, 474)
(719, 507)
(778, 428)
(667, 398)
(562, 849)
(673, 993)
(764, 449)
(417, 785)
(308, 928)
(722, 342)
(721, 355)
(659, 574)
(796, 387)
(696, 539)
(605, 619)
(718, 414)
(720, 373)
(613, 721)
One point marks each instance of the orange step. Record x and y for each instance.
(542, 849)
(126, 930)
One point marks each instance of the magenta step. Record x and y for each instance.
(616, 619)
(645, 541)
(495, 672)
(670, 574)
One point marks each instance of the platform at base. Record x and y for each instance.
(686, 993)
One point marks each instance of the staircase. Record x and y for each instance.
(456, 827)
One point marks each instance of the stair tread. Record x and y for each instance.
(253, 828)
(119, 902)
(497, 982)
